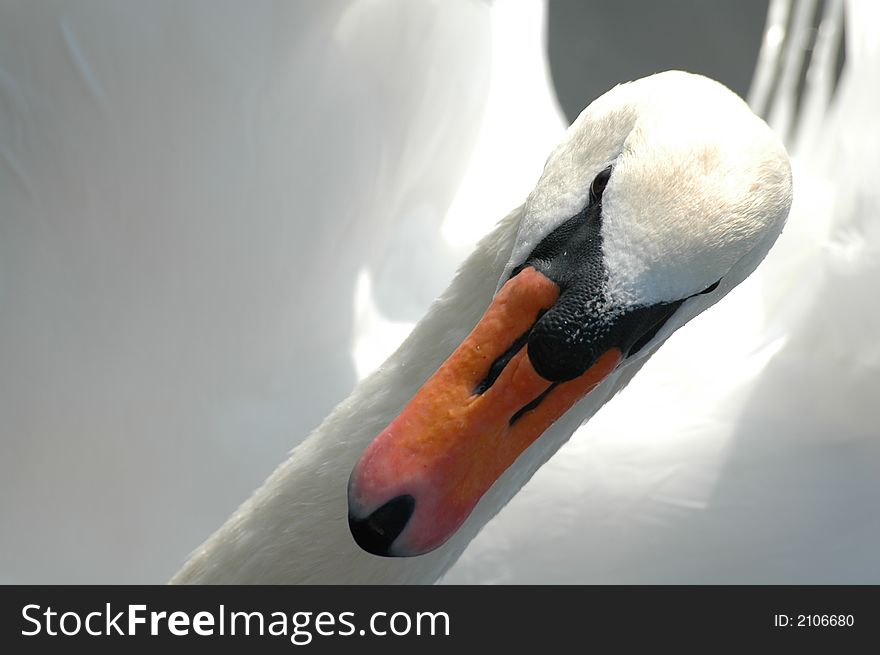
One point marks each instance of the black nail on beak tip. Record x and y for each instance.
(377, 532)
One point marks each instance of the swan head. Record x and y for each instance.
(663, 195)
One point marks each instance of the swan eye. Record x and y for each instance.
(709, 289)
(597, 187)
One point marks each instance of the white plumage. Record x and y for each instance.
(187, 193)
(139, 402)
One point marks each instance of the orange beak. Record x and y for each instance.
(418, 481)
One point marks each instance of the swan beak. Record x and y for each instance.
(418, 481)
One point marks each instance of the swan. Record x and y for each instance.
(663, 196)
(755, 462)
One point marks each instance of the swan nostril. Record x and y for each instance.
(377, 532)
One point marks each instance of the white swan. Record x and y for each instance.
(753, 462)
(698, 189)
